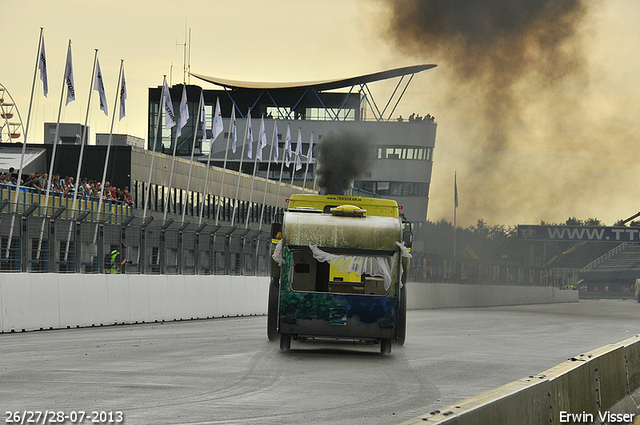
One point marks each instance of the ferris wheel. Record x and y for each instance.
(11, 128)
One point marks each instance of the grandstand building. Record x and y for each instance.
(402, 151)
(224, 208)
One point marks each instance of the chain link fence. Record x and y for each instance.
(63, 242)
(63, 239)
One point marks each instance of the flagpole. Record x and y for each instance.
(181, 123)
(306, 171)
(279, 186)
(315, 176)
(84, 133)
(82, 143)
(235, 203)
(281, 172)
(259, 146)
(215, 132)
(68, 84)
(193, 147)
(166, 199)
(206, 180)
(266, 183)
(253, 180)
(106, 158)
(24, 144)
(226, 155)
(255, 169)
(153, 154)
(455, 210)
(295, 166)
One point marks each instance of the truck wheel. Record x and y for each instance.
(285, 342)
(401, 323)
(385, 345)
(272, 310)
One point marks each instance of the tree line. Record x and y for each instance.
(499, 244)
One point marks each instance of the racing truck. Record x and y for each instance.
(339, 271)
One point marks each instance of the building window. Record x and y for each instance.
(208, 111)
(405, 153)
(385, 188)
(343, 114)
(282, 112)
(382, 188)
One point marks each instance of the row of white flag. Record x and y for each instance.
(170, 118)
(98, 83)
(218, 127)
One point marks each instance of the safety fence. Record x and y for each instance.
(431, 268)
(81, 242)
(37, 236)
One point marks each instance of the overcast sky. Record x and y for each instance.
(578, 161)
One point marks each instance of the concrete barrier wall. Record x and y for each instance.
(52, 301)
(448, 295)
(34, 301)
(597, 387)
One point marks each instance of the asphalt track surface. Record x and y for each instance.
(224, 371)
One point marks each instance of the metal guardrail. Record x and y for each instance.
(64, 242)
(35, 200)
(58, 239)
(595, 263)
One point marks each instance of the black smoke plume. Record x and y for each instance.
(342, 157)
(503, 60)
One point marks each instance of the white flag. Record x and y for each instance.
(68, 78)
(287, 147)
(169, 116)
(42, 66)
(123, 95)
(275, 143)
(249, 136)
(184, 112)
(262, 140)
(299, 151)
(203, 117)
(234, 141)
(98, 85)
(310, 151)
(218, 126)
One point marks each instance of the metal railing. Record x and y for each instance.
(29, 198)
(63, 241)
(595, 263)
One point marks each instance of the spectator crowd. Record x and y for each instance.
(67, 187)
(417, 118)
